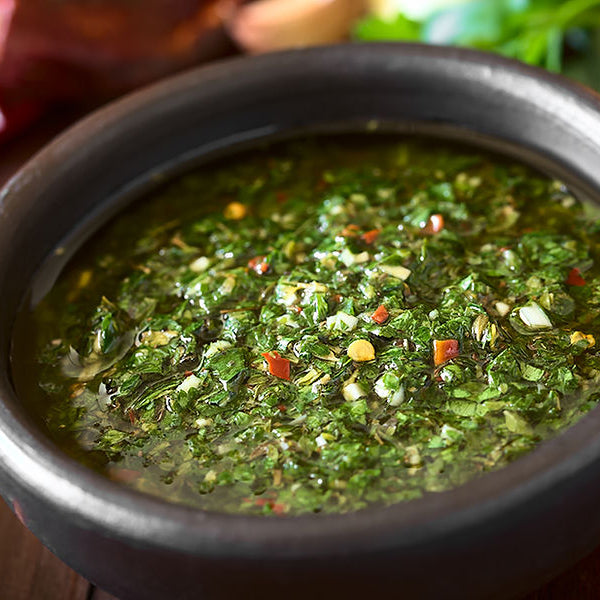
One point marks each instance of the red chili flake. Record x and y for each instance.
(434, 225)
(297, 308)
(278, 508)
(370, 236)
(380, 315)
(337, 297)
(131, 415)
(575, 278)
(188, 373)
(259, 264)
(281, 197)
(281, 407)
(278, 366)
(350, 230)
(444, 350)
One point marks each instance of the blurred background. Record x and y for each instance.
(69, 56)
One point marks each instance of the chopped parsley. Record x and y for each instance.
(323, 326)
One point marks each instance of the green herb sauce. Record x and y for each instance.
(151, 350)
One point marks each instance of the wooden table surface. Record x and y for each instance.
(28, 571)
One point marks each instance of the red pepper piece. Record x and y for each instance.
(370, 236)
(278, 366)
(444, 350)
(350, 230)
(380, 315)
(278, 508)
(259, 264)
(434, 225)
(575, 278)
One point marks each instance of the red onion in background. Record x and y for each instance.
(86, 52)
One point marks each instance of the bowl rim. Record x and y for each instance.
(96, 502)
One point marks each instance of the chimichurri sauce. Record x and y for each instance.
(322, 326)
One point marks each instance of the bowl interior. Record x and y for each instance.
(87, 175)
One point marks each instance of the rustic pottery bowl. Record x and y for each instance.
(495, 537)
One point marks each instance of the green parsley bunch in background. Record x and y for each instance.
(562, 36)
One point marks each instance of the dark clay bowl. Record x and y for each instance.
(494, 537)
